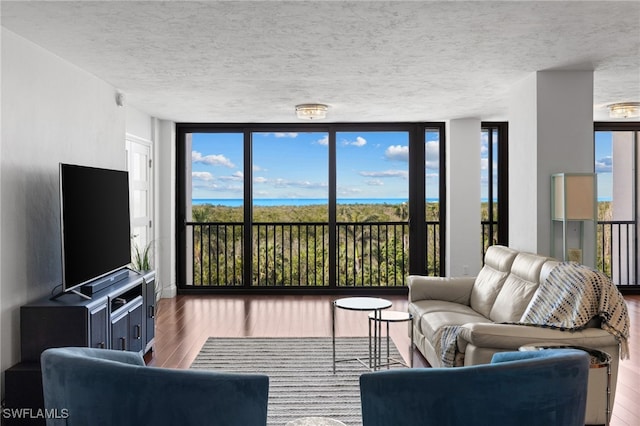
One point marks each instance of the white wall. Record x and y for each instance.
(1, 215)
(138, 123)
(464, 237)
(52, 112)
(165, 158)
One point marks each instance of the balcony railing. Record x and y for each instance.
(489, 235)
(617, 251)
(297, 254)
(369, 254)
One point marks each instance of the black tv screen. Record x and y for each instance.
(96, 232)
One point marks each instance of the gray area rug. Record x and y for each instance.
(300, 370)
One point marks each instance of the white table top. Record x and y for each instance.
(362, 303)
(392, 316)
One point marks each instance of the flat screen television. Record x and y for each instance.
(95, 224)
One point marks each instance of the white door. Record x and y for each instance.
(140, 167)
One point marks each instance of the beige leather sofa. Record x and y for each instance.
(484, 305)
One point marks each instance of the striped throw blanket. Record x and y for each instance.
(446, 344)
(572, 295)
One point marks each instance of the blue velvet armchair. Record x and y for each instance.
(84, 386)
(532, 388)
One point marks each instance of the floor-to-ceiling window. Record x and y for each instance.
(372, 211)
(316, 206)
(494, 184)
(616, 159)
(290, 208)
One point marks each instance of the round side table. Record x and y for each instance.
(389, 317)
(374, 304)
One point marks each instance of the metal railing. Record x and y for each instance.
(297, 254)
(617, 251)
(489, 235)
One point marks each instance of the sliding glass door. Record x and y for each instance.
(283, 206)
(290, 209)
(616, 159)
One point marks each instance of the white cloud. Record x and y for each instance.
(375, 182)
(484, 164)
(324, 141)
(205, 176)
(432, 149)
(260, 179)
(360, 141)
(397, 153)
(291, 135)
(432, 154)
(237, 176)
(346, 191)
(211, 160)
(604, 165)
(386, 174)
(484, 143)
(285, 183)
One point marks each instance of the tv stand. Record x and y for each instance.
(120, 317)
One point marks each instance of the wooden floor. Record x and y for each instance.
(185, 322)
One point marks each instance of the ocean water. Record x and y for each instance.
(271, 202)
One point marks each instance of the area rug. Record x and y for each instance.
(300, 370)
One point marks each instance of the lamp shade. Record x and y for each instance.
(574, 196)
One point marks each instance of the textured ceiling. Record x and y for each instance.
(369, 61)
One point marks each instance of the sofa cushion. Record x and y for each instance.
(497, 263)
(432, 321)
(518, 288)
(421, 307)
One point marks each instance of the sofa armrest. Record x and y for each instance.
(512, 337)
(450, 289)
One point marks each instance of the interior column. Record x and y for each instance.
(550, 131)
(464, 238)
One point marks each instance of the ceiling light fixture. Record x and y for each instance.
(624, 110)
(311, 111)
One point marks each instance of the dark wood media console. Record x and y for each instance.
(120, 317)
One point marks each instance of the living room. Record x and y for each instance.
(77, 80)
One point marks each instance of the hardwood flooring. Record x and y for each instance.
(186, 321)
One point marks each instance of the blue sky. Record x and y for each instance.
(369, 165)
(603, 166)
(295, 165)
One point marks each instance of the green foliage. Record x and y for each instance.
(297, 252)
(141, 259)
(604, 238)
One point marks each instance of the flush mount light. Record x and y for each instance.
(311, 111)
(624, 110)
